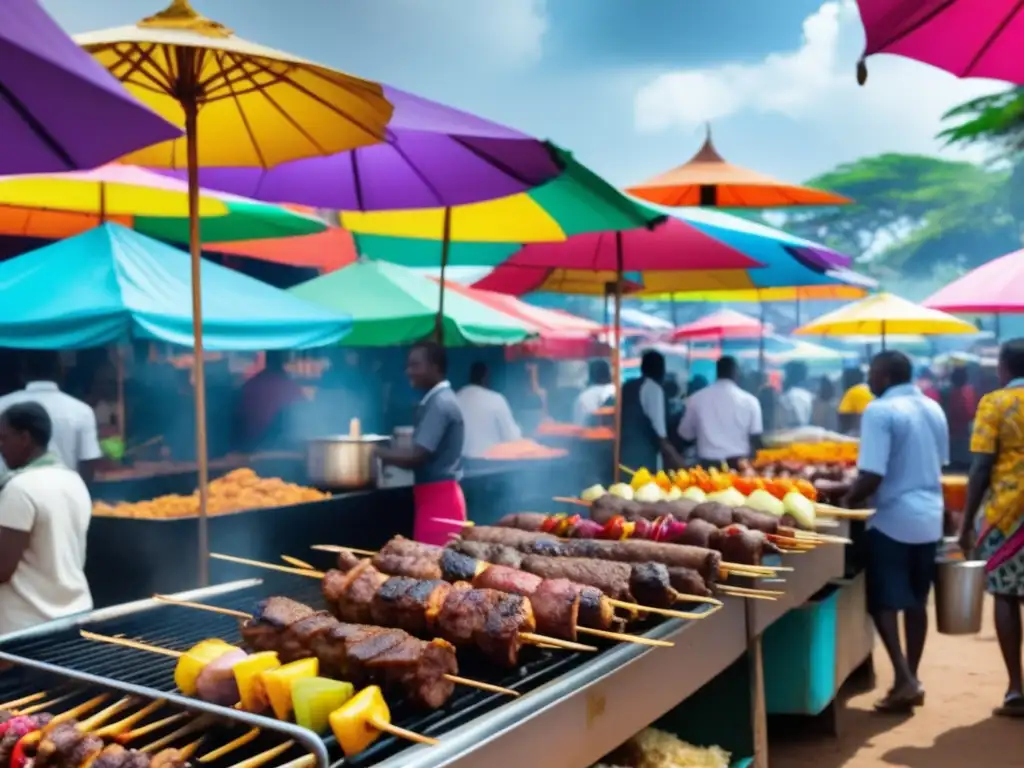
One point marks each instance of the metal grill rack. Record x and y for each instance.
(58, 645)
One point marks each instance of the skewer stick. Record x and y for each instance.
(297, 563)
(469, 683)
(402, 733)
(568, 645)
(43, 706)
(125, 725)
(828, 510)
(658, 611)
(184, 753)
(199, 724)
(684, 598)
(749, 591)
(125, 642)
(231, 746)
(570, 500)
(306, 761)
(82, 708)
(266, 756)
(627, 470)
(130, 736)
(624, 638)
(95, 721)
(13, 704)
(309, 573)
(447, 521)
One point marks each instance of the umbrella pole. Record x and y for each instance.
(995, 327)
(617, 358)
(198, 372)
(760, 343)
(883, 335)
(446, 236)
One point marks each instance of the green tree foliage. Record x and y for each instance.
(913, 215)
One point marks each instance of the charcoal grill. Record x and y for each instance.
(57, 648)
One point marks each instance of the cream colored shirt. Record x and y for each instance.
(488, 418)
(53, 505)
(75, 436)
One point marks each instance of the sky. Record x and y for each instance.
(627, 85)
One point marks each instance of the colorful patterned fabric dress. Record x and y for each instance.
(999, 430)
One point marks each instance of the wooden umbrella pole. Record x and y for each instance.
(198, 372)
(446, 237)
(617, 359)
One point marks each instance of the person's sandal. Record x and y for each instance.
(899, 703)
(1013, 706)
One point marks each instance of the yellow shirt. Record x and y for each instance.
(855, 400)
(999, 430)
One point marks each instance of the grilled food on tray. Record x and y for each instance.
(487, 620)
(559, 604)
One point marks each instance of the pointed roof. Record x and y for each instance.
(707, 179)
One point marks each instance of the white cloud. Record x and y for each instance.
(899, 109)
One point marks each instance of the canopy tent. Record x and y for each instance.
(560, 334)
(111, 283)
(391, 305)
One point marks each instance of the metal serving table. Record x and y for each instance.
(573, 721)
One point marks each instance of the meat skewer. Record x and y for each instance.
(596, 611)
(495, 623)
(362, 655)
(381, 722)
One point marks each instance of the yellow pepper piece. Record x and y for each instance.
(663, 480)
(682, 479)
(278, 684)
(248, 678)
(192, 662)
(353, 724)
(640, 478)
(314, 698)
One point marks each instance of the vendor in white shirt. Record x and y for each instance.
(599, 393)
(796, 404)
(75, 436)
(723, 419)
(44, 518)
(487, 414)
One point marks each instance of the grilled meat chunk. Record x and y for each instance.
(556, 606)
(497, 554)
(350, 595)
(67, 747)
(409, 604)
(714, 512)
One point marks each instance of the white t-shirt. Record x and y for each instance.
(488, 420)
(53, 505)
(74, 423)
(796, 406)
(721, 418)
(652, 402)
(589, 400)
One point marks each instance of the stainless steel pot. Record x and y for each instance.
(342, 461)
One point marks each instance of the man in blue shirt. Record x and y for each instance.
(904, 444)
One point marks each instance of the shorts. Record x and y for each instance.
(899, 576)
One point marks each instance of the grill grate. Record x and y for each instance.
(179, 628)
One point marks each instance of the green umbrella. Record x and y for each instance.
(391, 305)
(244, 220)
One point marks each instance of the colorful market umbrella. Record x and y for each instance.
(882, 314)
(393, 306)
(994, 287)
(58, 205)
(964, 37)
(560, 335)
(241, 105)
(327, 251)
(431, 156)
(59, 110)
(723, 324)
(707, 179)
(111, 283)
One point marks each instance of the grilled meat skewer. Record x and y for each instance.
(485, 619)
(558, 606)
(362, 655)
(720, 515)
(647, 583)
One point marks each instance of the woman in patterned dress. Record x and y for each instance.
(996, 485)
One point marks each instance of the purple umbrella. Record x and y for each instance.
(433, 157)
(59, 109)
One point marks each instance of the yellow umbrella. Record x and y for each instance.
(885, 313)
(241, 104)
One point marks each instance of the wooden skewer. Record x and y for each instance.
(297, 563)
(231, 746)
(402, 733)
(266, 756)
(139, 646)
(81, 709)
(306, 761)
(658, 611)
(624, 638)
(184, 753)
(199, 724)
(469, 683)
(43, 706)
(13, 704)
(571, 500)
(125, 725)
(828, 510)
(821, 523)
(338, 548)
(627, 470)
(130, 736)
(446, 521)
(746, 596)
(534, 639)
(749, 591)
(95, 721)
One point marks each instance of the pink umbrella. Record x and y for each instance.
(724, 324)
(992, 288)
(970, 38)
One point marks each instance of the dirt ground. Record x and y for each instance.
(964, 679)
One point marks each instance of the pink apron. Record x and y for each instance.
(440, 510)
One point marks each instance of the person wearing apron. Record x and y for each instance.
(436, 453)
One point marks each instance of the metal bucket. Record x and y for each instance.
(959, 595)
